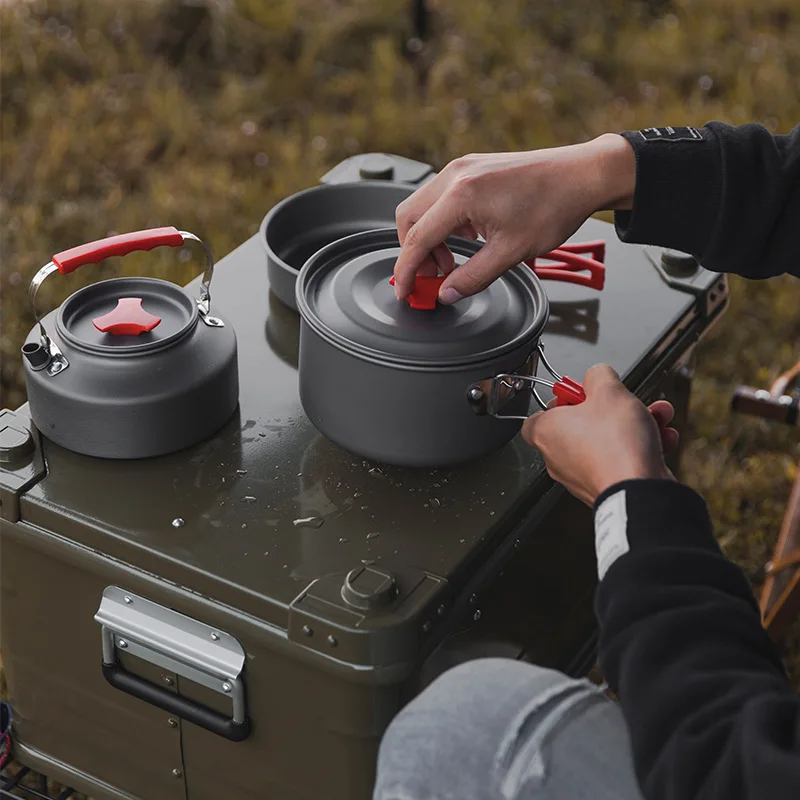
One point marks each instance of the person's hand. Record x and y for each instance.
(522, 204)
(610, 437)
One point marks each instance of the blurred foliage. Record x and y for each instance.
(202, 114)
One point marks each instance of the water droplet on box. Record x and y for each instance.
(435, 502)
(178, 522)
(308, 522)
(372, 536)
(248, 498)
(241, 472)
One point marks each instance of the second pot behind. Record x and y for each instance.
(299, 226)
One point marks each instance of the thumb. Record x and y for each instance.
(486, 266)
(599, 377)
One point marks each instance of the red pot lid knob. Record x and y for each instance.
(127, 319)
(425, 294)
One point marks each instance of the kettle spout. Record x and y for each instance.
(37, 354)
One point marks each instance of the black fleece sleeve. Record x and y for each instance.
(710, 711)
(728, 195)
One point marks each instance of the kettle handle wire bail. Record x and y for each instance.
(46, 353)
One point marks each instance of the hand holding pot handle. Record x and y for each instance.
(94, 252)
(609, 438)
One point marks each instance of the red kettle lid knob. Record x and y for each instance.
(127, 319)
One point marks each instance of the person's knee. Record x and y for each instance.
(474, 688)
(450, 733)
(492, 676)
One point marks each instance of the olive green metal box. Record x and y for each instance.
(243, 619)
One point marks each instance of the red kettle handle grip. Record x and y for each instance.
(124, 243)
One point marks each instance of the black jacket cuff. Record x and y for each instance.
(663, 513)
(678, 193)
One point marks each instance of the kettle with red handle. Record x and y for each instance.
(129, 367)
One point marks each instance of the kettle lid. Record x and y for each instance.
(126, 316)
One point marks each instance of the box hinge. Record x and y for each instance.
(21, 460)
(371, 616)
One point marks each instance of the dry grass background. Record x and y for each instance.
(137, 113)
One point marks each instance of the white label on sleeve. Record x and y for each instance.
(611, 531)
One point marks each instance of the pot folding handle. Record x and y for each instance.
(571, 263)
(489, 396)
(94, 252)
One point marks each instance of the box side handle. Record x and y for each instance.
(180, 644)
(182, 707)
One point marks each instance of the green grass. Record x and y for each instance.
(124, 115)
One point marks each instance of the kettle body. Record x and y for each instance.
(130, 367)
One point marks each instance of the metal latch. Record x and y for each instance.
(491, 395)
(178, 643)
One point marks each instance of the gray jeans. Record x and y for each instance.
(497, 729)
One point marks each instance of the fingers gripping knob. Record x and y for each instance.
(424, 295)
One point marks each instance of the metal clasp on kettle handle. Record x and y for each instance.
(489, 396)
(47, 354)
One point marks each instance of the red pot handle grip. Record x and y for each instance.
(93, 252)
(568, 392)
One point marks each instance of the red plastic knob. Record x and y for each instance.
(425, 294)
(127, 319)
(568, 392)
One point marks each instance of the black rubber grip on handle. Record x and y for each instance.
(193, 712)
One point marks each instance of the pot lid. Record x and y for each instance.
(344, 293)
(126, 316)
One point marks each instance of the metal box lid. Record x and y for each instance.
(347, 557)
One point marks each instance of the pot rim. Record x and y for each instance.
(462, 246)
(278, 208)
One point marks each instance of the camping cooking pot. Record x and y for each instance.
(416, 384)
(131, 367)
(303, 223)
